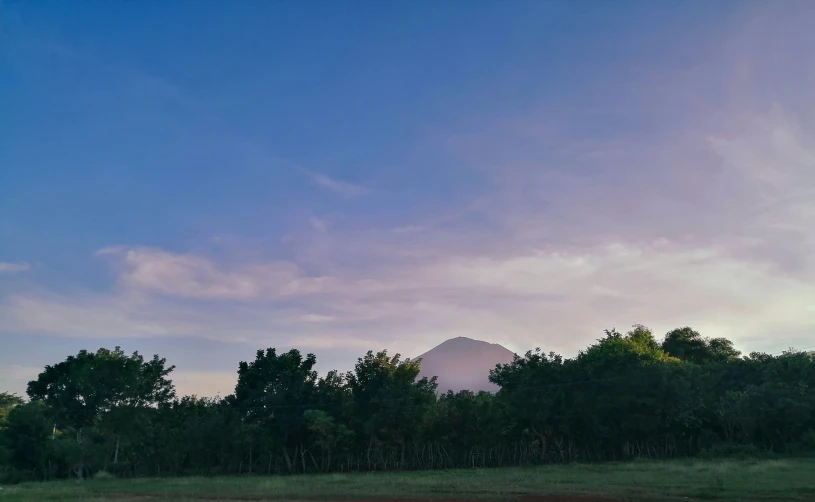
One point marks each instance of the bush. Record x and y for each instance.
(809, 439)
(15, 476)
(103, 475)
(733, 450)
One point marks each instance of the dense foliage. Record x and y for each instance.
(627, 396)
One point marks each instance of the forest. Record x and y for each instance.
(627, 396)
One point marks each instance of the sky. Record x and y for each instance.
(205, 179)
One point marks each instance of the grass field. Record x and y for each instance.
(743, 480)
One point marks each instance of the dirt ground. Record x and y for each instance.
(572, 498)
(122, 497)
(525, 498)
(537, 498)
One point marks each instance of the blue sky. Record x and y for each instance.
(203, 179)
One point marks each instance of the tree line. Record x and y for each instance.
(626, 396)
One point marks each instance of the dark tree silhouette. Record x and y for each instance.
(626, 396)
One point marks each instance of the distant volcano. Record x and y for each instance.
(464, 364)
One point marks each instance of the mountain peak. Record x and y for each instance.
(463, 363)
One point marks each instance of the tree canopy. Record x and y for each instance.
(627, 395)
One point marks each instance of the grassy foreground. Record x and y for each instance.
(743, 480)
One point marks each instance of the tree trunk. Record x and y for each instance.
(78, 470)
(542, 439)
(288, 459)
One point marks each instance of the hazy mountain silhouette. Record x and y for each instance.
(463, 363)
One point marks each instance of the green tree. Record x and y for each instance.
(26, 436)
(8, 401)
(688, 345)
(533, 390)
(272, 393)
(626, 395)
(390, 403)
(84, 389)
(327, 435)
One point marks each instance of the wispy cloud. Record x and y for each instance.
(341, 187)
(192, 276)
(318, 224)
(6, 267)
(557, 299)
(407, 229)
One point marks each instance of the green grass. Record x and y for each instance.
(742, 480)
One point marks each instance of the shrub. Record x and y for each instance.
(103, 475)
(733, 450)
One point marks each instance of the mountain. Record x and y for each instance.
(463, 363)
